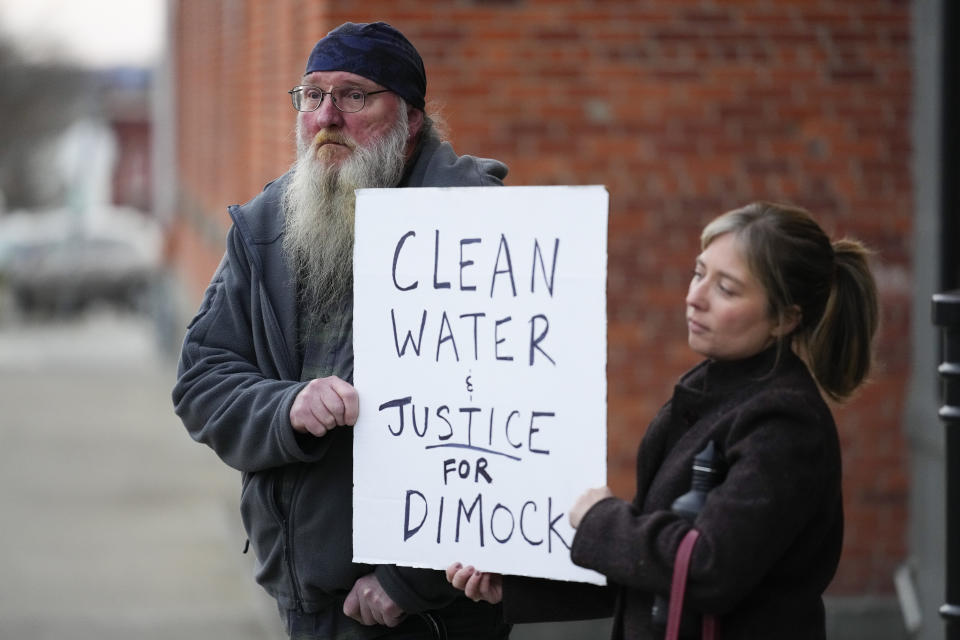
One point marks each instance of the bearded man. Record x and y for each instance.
(266, 369)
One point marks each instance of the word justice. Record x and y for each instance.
(505, 433)
(475, 522)
(501, 271)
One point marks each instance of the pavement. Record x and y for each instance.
(113, 522)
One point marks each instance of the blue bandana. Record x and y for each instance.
(377, 52)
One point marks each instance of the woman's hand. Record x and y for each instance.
(476, 585)
(589, 498)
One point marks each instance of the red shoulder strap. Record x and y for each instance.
(678, 588)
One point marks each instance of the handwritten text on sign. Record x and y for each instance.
(480, 358)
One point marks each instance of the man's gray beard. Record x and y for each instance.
(318, 205)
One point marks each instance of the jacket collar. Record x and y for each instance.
(722, 378)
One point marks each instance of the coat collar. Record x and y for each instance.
(713, 379)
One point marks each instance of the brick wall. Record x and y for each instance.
(682, 108)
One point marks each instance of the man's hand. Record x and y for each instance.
(324, 404)
(368, 603)
(476, 585)
(589, 498)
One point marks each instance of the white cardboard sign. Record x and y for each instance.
(480, 360)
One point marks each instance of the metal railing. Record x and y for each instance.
(946, 315)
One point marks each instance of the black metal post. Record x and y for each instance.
(946, 314)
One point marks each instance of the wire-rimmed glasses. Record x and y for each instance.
(347, 99)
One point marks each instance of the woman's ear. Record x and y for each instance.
(789, 320)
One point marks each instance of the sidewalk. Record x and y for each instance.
(115, 524)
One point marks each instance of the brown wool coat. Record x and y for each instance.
(771, 533)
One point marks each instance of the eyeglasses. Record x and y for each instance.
(346, 99)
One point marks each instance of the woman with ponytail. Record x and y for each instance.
(783, 317)
(826, 286)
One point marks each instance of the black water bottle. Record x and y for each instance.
(707, 473)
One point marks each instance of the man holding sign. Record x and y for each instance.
(265, 375)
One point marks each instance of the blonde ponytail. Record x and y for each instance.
(839, 346)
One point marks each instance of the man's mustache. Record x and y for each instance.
(332, 137)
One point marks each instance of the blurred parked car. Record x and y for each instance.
(55, 266)
(67, 276)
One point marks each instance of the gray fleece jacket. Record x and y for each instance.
(238, 375)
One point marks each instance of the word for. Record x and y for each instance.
(505, 430)
(463, 468)
(502, 266)
(529, 524)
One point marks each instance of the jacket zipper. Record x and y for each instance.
(283, 519)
